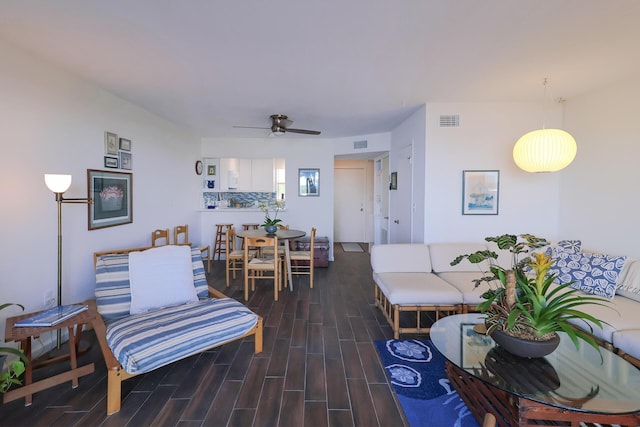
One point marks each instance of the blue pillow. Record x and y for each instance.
(564, 246)
(595, 274)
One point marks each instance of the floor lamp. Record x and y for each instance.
(59, 184)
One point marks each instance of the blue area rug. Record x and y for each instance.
(416, 371)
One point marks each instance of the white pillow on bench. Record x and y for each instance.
(161, 277)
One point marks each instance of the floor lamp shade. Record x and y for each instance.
(545, 150)
(57, 183)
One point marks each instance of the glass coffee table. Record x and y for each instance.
(570, 385)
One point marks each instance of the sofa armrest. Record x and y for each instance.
(100, 329)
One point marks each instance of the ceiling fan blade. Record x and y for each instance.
(249, 127)
(304, 131)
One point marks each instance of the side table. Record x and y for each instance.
(24, 336)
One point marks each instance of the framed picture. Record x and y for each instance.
(474, 346)
(125, 160)
(110, 143)
(308, 182)
(393, 181)
(480, 190)
(112, 198)
(110, 162)
(125, 144)
(211, 170)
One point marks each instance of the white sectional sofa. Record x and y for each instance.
(419, 277)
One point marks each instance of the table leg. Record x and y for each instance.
(73, 360)
(287, 255)
(28, 373)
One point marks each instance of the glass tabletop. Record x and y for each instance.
(570, 377)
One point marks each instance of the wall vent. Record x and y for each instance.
(450, 120)
(359, 145)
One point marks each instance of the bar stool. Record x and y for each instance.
(249, 226)
(220, 243)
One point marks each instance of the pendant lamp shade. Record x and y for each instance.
(545, 150)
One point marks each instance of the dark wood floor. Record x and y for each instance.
(319, 367)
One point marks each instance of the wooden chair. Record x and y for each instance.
(181, 237)
(158, 235)
(234, 258)
(302, 261)
(255, 267)
(489, 420)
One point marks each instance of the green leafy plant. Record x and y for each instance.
(522, 301)
(17, 367)
(264, 207)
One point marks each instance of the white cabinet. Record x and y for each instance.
(235, 174)
(262, 173)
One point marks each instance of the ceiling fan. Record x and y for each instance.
(280, 125)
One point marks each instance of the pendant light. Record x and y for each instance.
(545, 150)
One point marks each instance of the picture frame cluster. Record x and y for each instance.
(117, 152)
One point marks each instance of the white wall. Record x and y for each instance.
(53, 122)
(528, 203)
(599, 190)
(411, 131)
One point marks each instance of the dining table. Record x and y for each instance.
(283, 234)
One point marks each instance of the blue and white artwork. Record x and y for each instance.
(480, 192)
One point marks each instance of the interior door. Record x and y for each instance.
(349, 219)
(402, 199)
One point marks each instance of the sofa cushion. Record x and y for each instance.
(619, 314)
(160, 277)
(417, 288)
(463, 282)
(629, 280)
(113, 294)
(443, 253)
(595, 274)
(628, 341)
(146, 341)
(401, 257)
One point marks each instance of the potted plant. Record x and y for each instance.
(522, 303)
(9, 378)
(270, 225)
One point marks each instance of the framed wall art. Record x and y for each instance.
(111, 143)
(125, 144)
(110, 162)
(308, 182)
(480, 191)
(393, 181)
(112, 198)
(125, 160)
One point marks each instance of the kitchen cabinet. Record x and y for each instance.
(238, 174)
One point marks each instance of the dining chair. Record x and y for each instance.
(255, 267)
(181, 237)
(302, 262)
(234, 258)
(158, 235)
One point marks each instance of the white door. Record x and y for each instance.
(381, 201)
(401, 208)
(349, 219)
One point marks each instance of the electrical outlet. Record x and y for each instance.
(49, 299)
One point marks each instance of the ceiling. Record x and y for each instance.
(343, 67)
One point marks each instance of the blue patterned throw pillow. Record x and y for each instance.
(595, 274)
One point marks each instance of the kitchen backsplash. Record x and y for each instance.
(238, 200)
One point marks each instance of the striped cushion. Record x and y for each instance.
(113, 294)
(146, 341)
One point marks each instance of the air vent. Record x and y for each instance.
(450, 121)
(359, 145)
